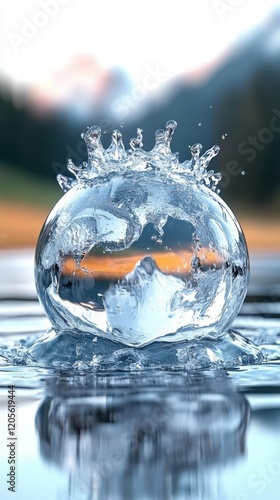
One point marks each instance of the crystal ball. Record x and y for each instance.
(141, 247)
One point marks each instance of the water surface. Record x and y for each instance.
(141, 435)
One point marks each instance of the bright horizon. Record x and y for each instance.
(203, 30)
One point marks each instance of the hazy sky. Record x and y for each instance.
(40, 36)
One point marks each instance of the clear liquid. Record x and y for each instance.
(141, 248)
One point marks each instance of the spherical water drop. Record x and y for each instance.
(141, 255)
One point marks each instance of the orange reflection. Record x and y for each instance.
(116, 267)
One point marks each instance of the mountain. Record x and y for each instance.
(239, 101)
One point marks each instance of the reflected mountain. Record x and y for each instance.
(170, 439)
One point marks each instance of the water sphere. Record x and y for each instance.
(141, 247)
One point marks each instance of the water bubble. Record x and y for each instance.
(243, 172)
(135, 254)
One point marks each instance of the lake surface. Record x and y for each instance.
(153, 435)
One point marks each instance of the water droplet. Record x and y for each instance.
(92, 139)
(137, 142)
(65, 182)
(208, 155)
(92, 136)
(161, 158)
(160, 142)
(72, 167)
(160, 135)
(170, 128)
(199, 124)
(196, 150)
(243, 172)
(116, 149)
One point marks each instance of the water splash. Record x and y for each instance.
(142, 252)
(160, 159)
(68, 350)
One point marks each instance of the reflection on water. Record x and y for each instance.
(151, 435)
(158, 441)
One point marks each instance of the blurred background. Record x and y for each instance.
(211, 65)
